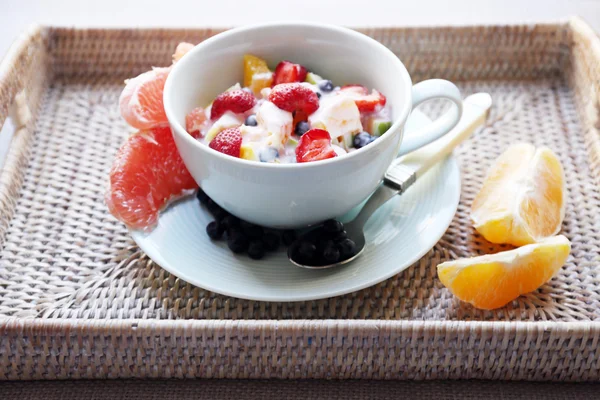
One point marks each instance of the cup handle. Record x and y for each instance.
(428, 90)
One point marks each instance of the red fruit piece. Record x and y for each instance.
(147, 173)
(288, 72)
(194, 121)
(314, 145)
(294, 97)
(228, 142)
(364, 101)
(237, 101)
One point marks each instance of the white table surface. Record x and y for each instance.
(15, 15)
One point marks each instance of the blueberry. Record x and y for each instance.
(238, 243)
(338, 237)
(362, 139)
(332, 226)
(251, 120)
(234, 230)
(318, 94)
(215, 230)
(301, 128)
(251, 231)
(324, 244)
(230, 221)
(325, 85)
(288, 237)
(256, 249)
(347, 248)
(271, 241)
(268, 154)
(331, 254)
(306, 250)
(316, 235)
(220, 214)
(202, 197)
(373, 138)
(216, 210)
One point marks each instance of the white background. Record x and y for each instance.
(16, 15)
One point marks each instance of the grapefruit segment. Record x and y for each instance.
(141, 102)
(194, 121)
(147, 173)
(182, 49)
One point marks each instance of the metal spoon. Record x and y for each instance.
(403, 173)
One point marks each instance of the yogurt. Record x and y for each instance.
(272, 122)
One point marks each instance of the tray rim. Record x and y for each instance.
(42, 329)
(45, 325)
(50, 349)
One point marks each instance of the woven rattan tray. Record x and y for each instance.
(79, 300)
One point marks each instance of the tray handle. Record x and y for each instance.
(17, 61)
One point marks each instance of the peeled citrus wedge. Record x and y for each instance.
(141, 102)
(146, 175)
(148, 172)
(257, 74)
(493, 280)
(182, 49)
(522, 200)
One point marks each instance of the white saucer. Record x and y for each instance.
(397, 235)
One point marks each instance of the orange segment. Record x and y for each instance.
(257, 74)
(547, 205)
(522, 200)
(141, 102)
(492, 281)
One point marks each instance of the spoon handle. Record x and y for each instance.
(405, 171)
(475, 110)
(379, 197)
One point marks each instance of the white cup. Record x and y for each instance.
(296, 195)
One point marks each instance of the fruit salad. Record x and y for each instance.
(289, 115)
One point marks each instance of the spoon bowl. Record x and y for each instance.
(396, 180)
(353, 231)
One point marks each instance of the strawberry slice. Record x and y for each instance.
(314, 145)
(364, 101)
(288, 72)
(294, 97)
(237, 101)
(228, 142)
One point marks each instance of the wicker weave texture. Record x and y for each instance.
(47, 349)
(73, 283)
